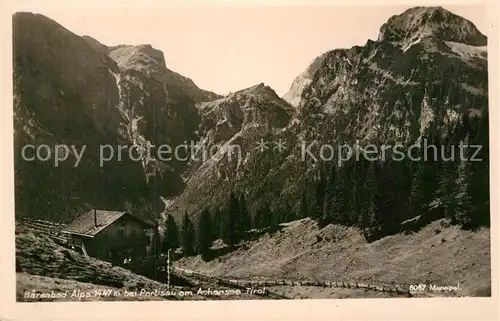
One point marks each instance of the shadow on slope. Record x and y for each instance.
(440, 255)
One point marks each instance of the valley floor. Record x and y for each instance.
(299, 261)
(436, 257)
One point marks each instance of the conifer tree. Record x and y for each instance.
(403, 181)
(188, 236)
(216, 223)
(341, 197)
(478, 171)
(463, 201)
(367, 190)
(258, 218)
(416, 202)
(288, 213)
(267, 216)
(317, 211)
(157, 243)
(230, 232)
(303, 206)
(387, 201)
(170, 234)
(244, 215)
(350, 186)
(370, 221)
(447, 186)
(204, 237)
(329, 199)
(424, 192)
(464, 212)
(357, 180)
(274, 217)
(424, 187)
(374, 230)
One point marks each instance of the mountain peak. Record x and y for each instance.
(259, 89)
(127, 56)
(419, 22)
(96, 45)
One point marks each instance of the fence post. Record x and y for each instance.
(168, 269)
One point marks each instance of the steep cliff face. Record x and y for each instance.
(226, 152)
(151, 62)
(427, 66)
(294, 95)
(158, 106)
(420, 28)
(76, 91)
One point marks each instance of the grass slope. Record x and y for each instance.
(44, 266)
(444, 256)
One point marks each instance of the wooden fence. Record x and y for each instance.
(50, 229)
(393, 289)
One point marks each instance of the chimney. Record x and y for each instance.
(95, 217)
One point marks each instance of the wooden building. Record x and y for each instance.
(110, 236)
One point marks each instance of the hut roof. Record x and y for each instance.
(85, 224)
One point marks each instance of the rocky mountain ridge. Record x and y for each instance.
(227, 134)
(426, 70)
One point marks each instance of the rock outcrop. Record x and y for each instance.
(294, 95)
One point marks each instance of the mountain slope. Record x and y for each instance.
(293, 96)
(426, 73)
(152, 62)
(69, 90)
(443, 256)
(226, 138)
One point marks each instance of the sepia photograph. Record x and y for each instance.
(227, 152)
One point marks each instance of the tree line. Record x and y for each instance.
(378, 197)
(230, 222)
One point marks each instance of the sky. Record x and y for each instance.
(225, 48)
